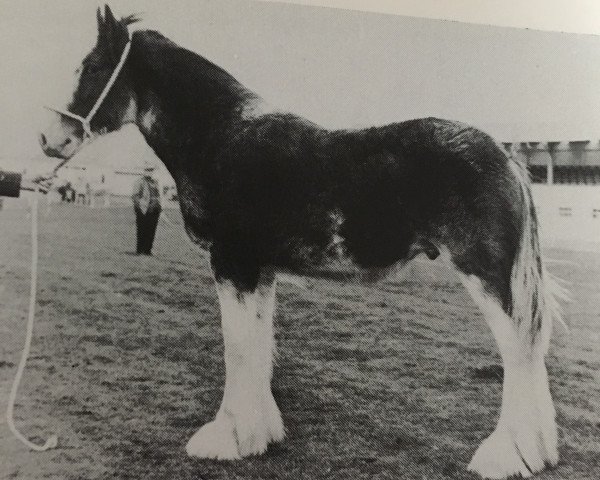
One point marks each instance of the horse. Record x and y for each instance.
(266, 191)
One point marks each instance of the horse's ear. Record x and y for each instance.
(112, 33)
(100, 21)
(109, 18)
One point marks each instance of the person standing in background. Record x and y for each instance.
(146, 203)
(88, 194)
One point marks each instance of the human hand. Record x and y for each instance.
(39, 177)
(37, 185)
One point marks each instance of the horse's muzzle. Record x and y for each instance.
(60, 141)
(54, 151)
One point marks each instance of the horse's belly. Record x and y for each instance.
(340, 269)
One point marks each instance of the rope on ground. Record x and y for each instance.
(51, 442)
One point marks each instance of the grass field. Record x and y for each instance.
(393, 381)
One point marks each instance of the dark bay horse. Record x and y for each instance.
(267, 192)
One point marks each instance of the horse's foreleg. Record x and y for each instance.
(248, 419)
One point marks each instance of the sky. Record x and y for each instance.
(575, 16)
(339, 68)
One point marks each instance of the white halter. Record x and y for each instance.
(85, 122)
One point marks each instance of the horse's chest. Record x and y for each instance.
(193, 211)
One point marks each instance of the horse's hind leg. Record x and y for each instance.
(494, 244)
(503, 271)
(248, 419)
(525, 437)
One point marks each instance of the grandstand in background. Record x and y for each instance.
(566, 181)
(561, 163)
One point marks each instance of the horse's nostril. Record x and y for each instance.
(43, 140)
(67, 141)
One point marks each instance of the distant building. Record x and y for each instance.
(566, 177)
(575, 162)
(118, 182)
(112, 163)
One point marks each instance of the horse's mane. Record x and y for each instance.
(130, 19)
(186, 74)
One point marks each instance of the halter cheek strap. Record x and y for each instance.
(85, 122)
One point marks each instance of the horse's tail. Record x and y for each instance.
(535, 293)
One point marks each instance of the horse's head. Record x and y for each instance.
(94, 109)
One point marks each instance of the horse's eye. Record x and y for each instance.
(90, 69)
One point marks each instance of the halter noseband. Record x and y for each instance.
(85, 122)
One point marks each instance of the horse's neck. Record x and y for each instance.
(183, 99)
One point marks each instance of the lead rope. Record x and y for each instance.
(52, 442)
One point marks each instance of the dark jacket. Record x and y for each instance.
(10, 184)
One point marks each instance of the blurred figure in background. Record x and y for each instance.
(80, 191)
(146, 203)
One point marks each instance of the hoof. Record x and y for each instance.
(276, 430)
(504, 454)
(231, 438)
(216, 439)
